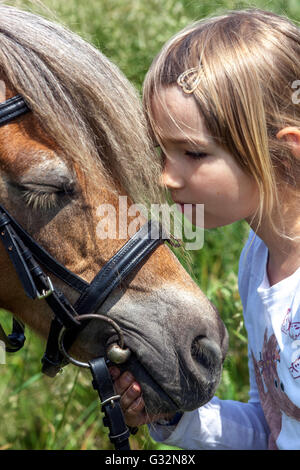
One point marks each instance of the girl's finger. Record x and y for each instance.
(136, 415)
(130, 396)
(123, 382)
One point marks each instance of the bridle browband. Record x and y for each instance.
(28, 256)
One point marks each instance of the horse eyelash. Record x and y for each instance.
(40, 200)
(44, 200)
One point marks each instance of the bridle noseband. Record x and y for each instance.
(28, 256)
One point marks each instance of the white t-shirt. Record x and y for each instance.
(271, 418)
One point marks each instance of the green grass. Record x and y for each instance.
(63, 413)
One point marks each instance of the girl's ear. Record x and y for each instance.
(292, 135)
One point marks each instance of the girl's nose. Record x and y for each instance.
(172, 178)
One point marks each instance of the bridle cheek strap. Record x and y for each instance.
(113, 419)
(13, 249)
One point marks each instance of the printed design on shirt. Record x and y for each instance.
(292, 329)
(271, 389)
(295, 368)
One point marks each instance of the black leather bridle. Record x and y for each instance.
(28, 256)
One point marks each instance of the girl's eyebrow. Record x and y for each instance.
(198, 142)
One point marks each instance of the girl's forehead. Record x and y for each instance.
(176, 115)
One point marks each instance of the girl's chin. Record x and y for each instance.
(194, 213)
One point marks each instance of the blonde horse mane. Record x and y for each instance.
(82, 101)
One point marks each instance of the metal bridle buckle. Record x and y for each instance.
(110, 400)
(45, 293)
(90, 316)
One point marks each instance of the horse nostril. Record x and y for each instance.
(197, 351)
(206, 352)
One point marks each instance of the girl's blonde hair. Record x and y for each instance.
(242, 68)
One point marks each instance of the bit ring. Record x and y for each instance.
(89, 316)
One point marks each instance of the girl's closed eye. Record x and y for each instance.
(195, 155)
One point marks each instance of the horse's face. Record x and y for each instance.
(177, 338)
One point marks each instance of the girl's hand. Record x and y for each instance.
(132, 402)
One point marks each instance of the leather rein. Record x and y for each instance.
(28, 257)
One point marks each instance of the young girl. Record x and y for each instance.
(222, 101)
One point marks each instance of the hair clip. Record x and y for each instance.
(189, 80)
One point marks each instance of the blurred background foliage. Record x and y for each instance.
(63, 413)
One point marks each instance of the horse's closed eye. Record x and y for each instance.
(44, 197)
(40, 199)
